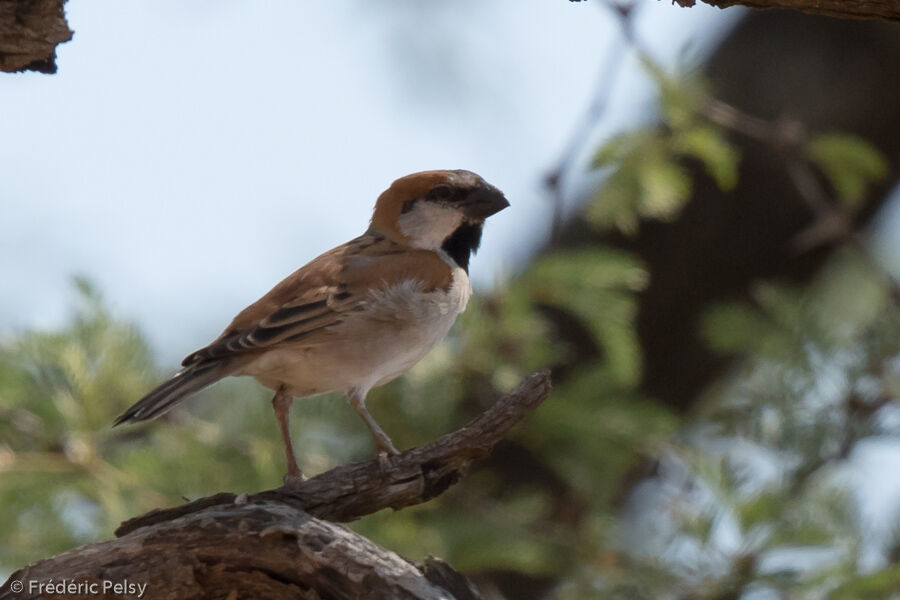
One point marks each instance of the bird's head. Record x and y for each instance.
(438, 210)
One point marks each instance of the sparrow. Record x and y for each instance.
(359, 315)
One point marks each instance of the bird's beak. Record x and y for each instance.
(484, 202)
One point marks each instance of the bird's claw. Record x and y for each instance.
(387, 449)
(290, 480)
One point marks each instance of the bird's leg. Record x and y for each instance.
(282, 405)
(382, 441)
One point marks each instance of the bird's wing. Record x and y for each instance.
(323, 293)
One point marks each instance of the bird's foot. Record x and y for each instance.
(385, 451)
(293, 479)
(385, 445)
(384, 459)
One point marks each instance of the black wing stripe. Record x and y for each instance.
(262, 336)
(291, 322)
(291, 313)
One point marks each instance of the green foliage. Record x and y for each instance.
(812, 384)
(872, 586)
(810, 389)
(647, 181)
(648, 177)
(599, 287)
(55, 391)
(68, 477)
(850, 163)
(709, 146)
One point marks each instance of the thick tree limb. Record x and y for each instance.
(412, 477)
(29, 33)
(276, 544)
(889, 10)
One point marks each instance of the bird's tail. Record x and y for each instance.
(187, 381)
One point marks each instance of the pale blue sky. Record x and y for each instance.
(187, 157)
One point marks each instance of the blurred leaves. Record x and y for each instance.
(68, 477)
(55, 391)
(765, 468)
(850, 163)
(647, 181)
(873, 586)
(599, 288)
(709, 146)
(648, 177)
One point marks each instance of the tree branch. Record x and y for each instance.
(888, 10)
(276, 544)
(29, 33)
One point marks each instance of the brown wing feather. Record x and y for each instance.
(322, 293)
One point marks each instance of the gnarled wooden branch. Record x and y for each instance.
(889, 10)
(278, 543)
(30, 30)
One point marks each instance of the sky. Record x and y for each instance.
(187, 157)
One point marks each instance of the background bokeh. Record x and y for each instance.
(701, 245)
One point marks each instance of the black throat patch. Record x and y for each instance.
(463, 243)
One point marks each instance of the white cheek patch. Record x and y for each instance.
(428, 224)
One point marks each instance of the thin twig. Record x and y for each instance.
(609, 71)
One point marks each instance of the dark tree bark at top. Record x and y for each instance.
(30, 30)
(888, 10)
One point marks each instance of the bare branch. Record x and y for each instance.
(412, 477)
(265, 550)
(612, 65)
(276, 544)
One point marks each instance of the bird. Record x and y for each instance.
(357, 316)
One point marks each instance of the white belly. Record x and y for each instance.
(398, 326)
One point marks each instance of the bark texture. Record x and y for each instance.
(278, 543)
(30, 30)
(888, 10)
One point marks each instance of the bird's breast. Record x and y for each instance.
(392, 330)
(411, 301)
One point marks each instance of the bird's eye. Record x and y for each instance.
(407, 206)
(440, 192)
